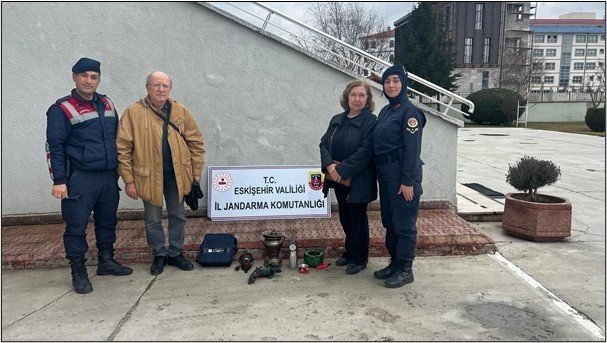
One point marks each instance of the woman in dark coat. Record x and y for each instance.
(346, 153)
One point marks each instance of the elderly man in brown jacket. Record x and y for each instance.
(160, 153)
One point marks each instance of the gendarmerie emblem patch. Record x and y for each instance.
(412, 125)
(315, 180)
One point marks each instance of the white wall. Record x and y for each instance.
(257, 101)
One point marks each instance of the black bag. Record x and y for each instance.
(217, 250)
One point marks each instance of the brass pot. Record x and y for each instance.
(272, 242)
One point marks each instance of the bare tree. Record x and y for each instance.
(520, 70)
(595, 85)
(349, 22)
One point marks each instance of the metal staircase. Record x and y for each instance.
(335, 51)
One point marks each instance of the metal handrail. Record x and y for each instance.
(383, 64)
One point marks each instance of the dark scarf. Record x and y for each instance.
(399, 70)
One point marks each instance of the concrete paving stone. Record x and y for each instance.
(444, 303)
(65, 314)
(573, 269)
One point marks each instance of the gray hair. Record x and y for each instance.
(147, 79)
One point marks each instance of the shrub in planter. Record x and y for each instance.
(595, 119)
(531, 215)
(494, 106)
(529, 174)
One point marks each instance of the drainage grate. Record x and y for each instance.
(484, 190)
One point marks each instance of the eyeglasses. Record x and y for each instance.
(159, 85)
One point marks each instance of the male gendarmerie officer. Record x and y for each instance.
(82, 157)
(397, 139)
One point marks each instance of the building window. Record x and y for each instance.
(538, 39)
(478, 21)
(601, 65)
(373, 44)
(578, 66)
(468, 50)
(579, 52)
(519, 14)
(591, 52)
(536, 66)
(548, 79)
(592, 38)
(550, 66)
(538, 52)
(576, 79)
(602, 37)
(551, 39)
(485, 79)
(550, 52)
(391, 43)
(391, 58)
(590, 65)
(602, 51)
(486, 48)
(580, 39)
(536, 79)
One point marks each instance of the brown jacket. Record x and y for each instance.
(139, 142)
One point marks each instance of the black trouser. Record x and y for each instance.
(90, 191)
(398, 215)
(354, 221)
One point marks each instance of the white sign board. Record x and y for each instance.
(266, 192)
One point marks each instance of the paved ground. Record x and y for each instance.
(526, 292)
(574, 269)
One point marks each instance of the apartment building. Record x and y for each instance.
(484, 34)
(379, 44)
(568, 54)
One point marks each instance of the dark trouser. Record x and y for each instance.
(399, 218)
(154, 232)
(354, 221)
(90, 191)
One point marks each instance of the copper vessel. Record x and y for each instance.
(272, 242)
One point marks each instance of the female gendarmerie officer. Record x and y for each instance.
(397, 139)
(346, 153)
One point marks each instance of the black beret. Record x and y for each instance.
(86, 64)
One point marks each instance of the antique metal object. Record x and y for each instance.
(266, 271)
(272, 242)
(314, 257)
(245, 261)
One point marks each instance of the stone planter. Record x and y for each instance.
(550, 221)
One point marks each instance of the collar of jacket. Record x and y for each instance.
(96, 96)
(174, 115)
(356, 121)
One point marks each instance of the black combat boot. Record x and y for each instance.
(402, 276)
(80, 277)
(386, 272)
(107, 265)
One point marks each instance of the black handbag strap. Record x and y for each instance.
(170, 123)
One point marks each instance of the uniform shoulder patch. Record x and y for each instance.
(412, 123)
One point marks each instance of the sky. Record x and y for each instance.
(395, 10)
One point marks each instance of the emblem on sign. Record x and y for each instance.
(315, 180)
(222, 182)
